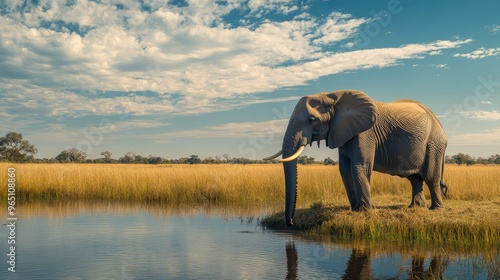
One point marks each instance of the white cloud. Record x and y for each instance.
(482, 115)
(267, 129)
(109, 125)
(339, 27)
(349, 45)
(479, 53)
(442, 66)
(67, 59)
(265, 6)
(486, 102)
(362, 59)
(494, 28)
(486, 137)
(71, 104)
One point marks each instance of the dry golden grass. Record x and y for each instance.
(470, 183)
(225, 183)
(146, 183)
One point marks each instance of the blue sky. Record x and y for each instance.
(176, 78)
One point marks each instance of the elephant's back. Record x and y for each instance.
(411, 112)
(406, 115)
(417, 107)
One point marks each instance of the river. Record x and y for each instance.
(120, 241)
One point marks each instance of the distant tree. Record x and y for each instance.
(63, 156)
(182, 160)
(241, 160)
(155, 160)
(302, 159)
(107, 156)
(217, 159)
(77, 155)
(129, 157)
(481, 160)
(329, 161)
(305, 160)
(449, 159)
(495, 159)
(45, 160)
(194, 159)
(463, 159)
(141, 159)
(226, 157)
(209, 160)
(71, 155)
(16, 149)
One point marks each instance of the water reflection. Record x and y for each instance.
(59, 210)
(105, 240)
(367, 261)
(436, 268)
(291, 260)
(359, 265)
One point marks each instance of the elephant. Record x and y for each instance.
(402, 138)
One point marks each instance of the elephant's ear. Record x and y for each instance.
(353, 113)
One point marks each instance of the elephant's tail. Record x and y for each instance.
(444, 187)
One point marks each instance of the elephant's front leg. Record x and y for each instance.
(345, 172)
(361, 174)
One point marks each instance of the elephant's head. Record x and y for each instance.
(335, 117)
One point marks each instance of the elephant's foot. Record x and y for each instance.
(418, 203)
(437, 204)
(418, 200)
(437, 207)
(362, 207)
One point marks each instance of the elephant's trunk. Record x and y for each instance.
(290, 190)
(292, 142)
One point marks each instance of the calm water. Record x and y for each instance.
(118, 241)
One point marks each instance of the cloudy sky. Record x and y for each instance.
(175, 78)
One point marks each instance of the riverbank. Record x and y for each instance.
(467, 225)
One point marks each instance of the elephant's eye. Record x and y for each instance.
(312, 119)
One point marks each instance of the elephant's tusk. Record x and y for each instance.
(274, 156)
(294, 156)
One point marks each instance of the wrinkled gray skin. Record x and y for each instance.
(402, 138)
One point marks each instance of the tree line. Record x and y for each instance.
(468, 160)
(13, 148)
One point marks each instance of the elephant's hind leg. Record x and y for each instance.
(417, 196)
(434, 175)
(435, 190)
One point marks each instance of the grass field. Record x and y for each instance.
(471, 214)
(225, 183)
